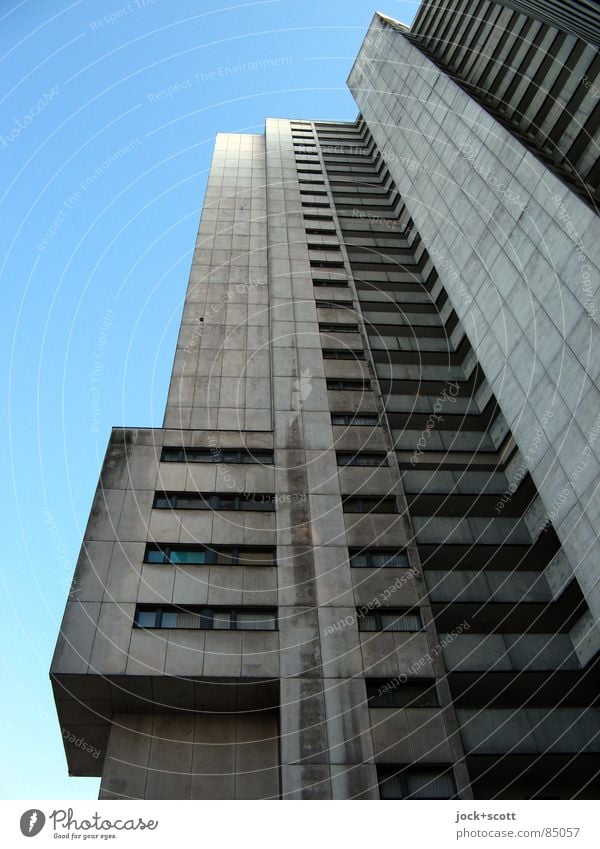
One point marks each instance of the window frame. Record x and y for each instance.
(213, 501)
(332, 305)
(232, 552)
(210, 455)
(340, 327)
(388, 611)
(350, 420)
(370, 553)
(363, 501)
(343, 354)
(205, 612)
(401, 772)
(357, 455)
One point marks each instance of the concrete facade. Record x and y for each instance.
(517, 253)
(304, 585)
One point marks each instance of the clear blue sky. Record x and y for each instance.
(102, 182)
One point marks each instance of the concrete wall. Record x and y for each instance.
(221, 375)
(191, 757)
(519, 256)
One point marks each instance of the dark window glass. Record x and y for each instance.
(343, 354)
(338, 327)
(216, 455)
(377, 558)
(361, 458)
(350, 386)
(334, 305)
(369, 504)
(203, 554)
(352, 419)
(401, 782)
(207, 618)
(214, 501)
(388, 619)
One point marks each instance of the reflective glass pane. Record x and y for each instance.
(400, 621)
(186, 555)
(252, 558)
(155, 556)
(146, 618)
(169, 620)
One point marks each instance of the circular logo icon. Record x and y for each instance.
(32, 822)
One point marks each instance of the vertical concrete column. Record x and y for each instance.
(296, 383)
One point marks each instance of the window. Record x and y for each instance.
(378, 558)
(198, 555)
(340, 327)
(207, 618)
(350, 385)
(400, 782)
(325, 263)
(353, 419)
(317, 217)
(415, 693)
(369, 504)
(388, 619)
(214, 501)
(321, 283)
(216, 455)
(315, 192)
(361, 458)
(343, 354)
(333, 305)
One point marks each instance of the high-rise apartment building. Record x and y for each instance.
(360, 558)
